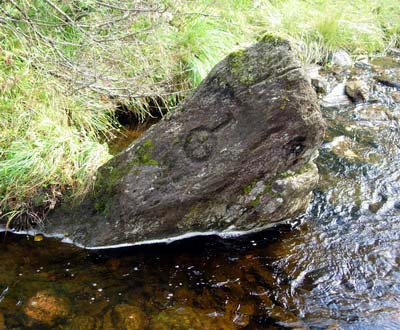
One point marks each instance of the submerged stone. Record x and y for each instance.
(129, 317)
(342, 146)
(210, 167)
(84, 322)
(45, 308)
(390, 80)
(183, 318)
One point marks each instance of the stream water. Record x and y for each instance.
(337, 267)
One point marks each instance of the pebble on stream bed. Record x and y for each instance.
(396, 96)
(45, 308)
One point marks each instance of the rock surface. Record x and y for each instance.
(129, 317)
(45, 308)
(183, 318)
(213, 165)
(357, 90)
(84, 323)
(317, 81)
(396, 96)
(341, 58)
(390, 80)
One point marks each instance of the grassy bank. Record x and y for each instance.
(65, 66)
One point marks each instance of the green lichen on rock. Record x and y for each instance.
(307, 167)
(243, 69)
(274, 40)
(257, 189)
(194, 214)
(110, 175)
(255, 202)
(249, 187)
(235, 60)
(143, 156)
(103, 207)
(285, 101)
(247, 80)
(103, 190)
(270, 190)
(276, 187)
(240, 69)
(286, 174)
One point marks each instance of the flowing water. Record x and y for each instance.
(337, 267)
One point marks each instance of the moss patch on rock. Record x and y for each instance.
(240, 69)
(111, 174)
(143, 155)
(272, 39)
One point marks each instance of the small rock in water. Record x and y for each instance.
(240, 314)
(394, 52)
(183, 318)
(396, 96)
(341, 147)
(38, 238)
(128, 317)
(357, 90)
(378, 114)
(396, 205)
(362, 62)
(363, 65)
(84, 322)
(341, 59)
(375, 207)
(317, 81)
(320, 84)
(389, 80)
(287, 318)
(45, 308)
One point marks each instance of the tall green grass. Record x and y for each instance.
(49, 142)
(60, 83)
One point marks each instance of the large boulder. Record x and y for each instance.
(235, 157)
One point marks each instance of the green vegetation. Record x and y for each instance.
(143, 155)
(49, 142)
(266, 190)
(65, 66)
(250, 187)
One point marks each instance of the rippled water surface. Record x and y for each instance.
(336, 268)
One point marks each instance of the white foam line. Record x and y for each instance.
(223, 234)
